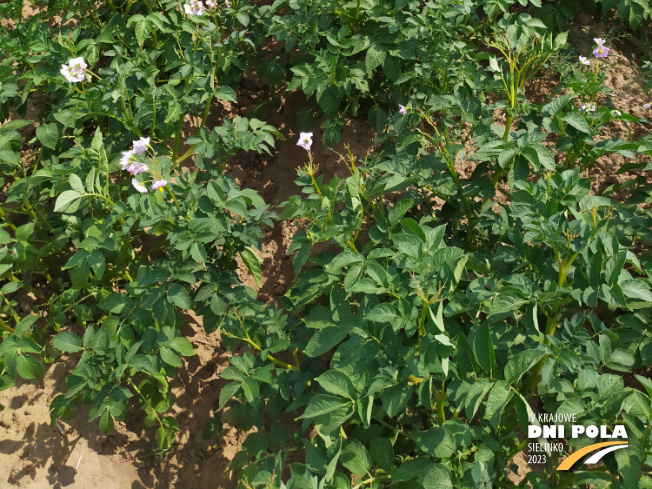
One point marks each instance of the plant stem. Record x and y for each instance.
(6, 327)
(5, 218)
(253, 344)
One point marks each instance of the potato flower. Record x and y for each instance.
(305, 141)
(159, 184)
(194, 7)
(75, 70)
(139, 186)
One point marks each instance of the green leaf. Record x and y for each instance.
(164, 438)
(255, 444)
(106, 422)
(253, 263)
(322, 404)
(170, 357)
(143, 30)
(483, 347)
(500, 395)
(182, 346)
(382, 452)
(356, 458)
(577, 121)
(637, 289)
(29, 367)
(435, 442)
(374, 58)
(437, 477)
(337, 383)
(553, 108)
(48, 135)
(383, 313)
(630, 463)
(398, 211)
(68, 342)
(227, 392)
(396, 398)
(251, 390)
(77, 184)
(68, 202)
(178, 296)
(505, 304)
(521, 363)
(243, 18)
(26, 323)
(116, 303)
(323, 340)
(539, 156)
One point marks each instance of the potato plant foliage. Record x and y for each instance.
(449, 309)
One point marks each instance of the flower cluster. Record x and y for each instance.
(197, 7)
(590, 107)
(75, 70)
(305, 141)
(127, 162)
(130, 164)
(601, 51)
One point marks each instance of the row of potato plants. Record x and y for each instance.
(446, 317)
(441, 317)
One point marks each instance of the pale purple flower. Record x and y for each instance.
(401, 109)
(601, 51)
(194, 7)
(305, 140)
(128, 163)
(590, 107)
(77, 63)
(139, 186)
(646, 106)
(125, 161)
(599, 41)
(136, 168)
(227, 3)
(211, 3)
(585, 61)
(616, 113)
(159, 184)
(75, 70)
(140, 146)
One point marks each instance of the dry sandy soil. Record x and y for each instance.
(79, 455)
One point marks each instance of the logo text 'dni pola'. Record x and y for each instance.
(552, 431)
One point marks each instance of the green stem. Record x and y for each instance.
(254, 345)
(440, 396)
(5, 218)
(173, 196)
(146, 401)
(177, 141)
(185, 156)
(6, 327)
(517, 449)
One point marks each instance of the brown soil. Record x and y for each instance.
(79, 455)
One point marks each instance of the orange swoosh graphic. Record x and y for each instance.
(568, 463)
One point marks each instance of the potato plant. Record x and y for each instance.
(450, 309)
